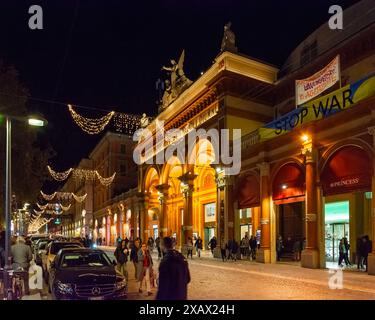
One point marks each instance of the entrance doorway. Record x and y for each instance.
(155, 228)
(208, 234)
(290, 225)
(246, 229)
(336, 228)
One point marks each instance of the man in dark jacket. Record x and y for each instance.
(174, 274)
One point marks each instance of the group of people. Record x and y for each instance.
(364, 247)
(294, 247)
(248, 247)
(173, 268)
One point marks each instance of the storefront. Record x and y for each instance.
(288, 195)
(209, 221)
(346, 182)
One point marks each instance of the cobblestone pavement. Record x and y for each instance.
(247, 280)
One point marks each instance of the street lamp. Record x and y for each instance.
(33, 121)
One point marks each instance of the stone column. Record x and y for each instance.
(310, 256)
(187, 188)
(142, 206)
(371, 256)
(264, 253)
(163, 217)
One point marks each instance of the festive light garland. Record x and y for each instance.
(44, 207)
(105, 181)
(91, 126)
(63, 196)
(59, 176)
(81, 175)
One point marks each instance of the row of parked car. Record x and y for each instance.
(74, 272)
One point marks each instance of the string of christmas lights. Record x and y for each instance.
(59, 176)
(105, 181)
(91, 126)
(63, 196)
(82, 175)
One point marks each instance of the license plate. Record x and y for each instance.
(96, 298)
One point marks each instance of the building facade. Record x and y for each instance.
(299, 179)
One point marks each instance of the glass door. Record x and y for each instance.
(333, 234)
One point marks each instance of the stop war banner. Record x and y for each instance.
(309, 88)
(322, 107)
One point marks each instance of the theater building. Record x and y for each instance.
(307, 172)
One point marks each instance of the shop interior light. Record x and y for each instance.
(305, 138)
(284, 186)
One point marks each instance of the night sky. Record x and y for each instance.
(109, 54)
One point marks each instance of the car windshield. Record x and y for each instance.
(84, 259)
(56, 247)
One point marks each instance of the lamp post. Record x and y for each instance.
(33, 121)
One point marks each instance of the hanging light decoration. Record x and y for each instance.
(59, 176)
(47, 197)
(91, 126)
(84, 174)
(105, 181)
(42, 207)
(79, 198)
(65, 208)
(127, 123)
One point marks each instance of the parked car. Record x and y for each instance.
(51, 251)
(85, 274)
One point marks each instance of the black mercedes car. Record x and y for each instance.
(88, 274)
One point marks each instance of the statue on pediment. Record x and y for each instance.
(228, 43)
(178, 82)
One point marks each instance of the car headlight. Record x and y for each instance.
(121, 284)
(64, 288)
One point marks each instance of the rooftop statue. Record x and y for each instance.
(178, 81)
(229, 39)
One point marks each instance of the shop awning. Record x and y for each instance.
(348, 170)
(248, 192)
(289, 184)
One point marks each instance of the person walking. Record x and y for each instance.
(342, 251)
(234, 250)
(174, 274)
(121, 255)
(297, 250)
(150, 244)
(279, 247)
(366, 249)
(346, 254)
(134, 257)
(2, 249)
(359, 254)
(157, 243)
(253, 247)
(189, 247)
(213, 244)
(230, 247)
(223, 250)
(199, 246)
(144, 269)
(22, 255)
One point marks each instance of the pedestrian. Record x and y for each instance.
(279, 247)
(134, 257)
(118, 240)
(234, 250)
(223, 249)
(230, 247)
(199, 246)
(346, 255)
(121, 255)
(189, 247)
(242, 247)
(22, 255)
(253, 247)
(297, 250)
(174, 274)
(342, 251)
(359, 253)
(212, 244)
(157, 243)
(144, 269)
(246, 244)
(366, 248)
(150, 244)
